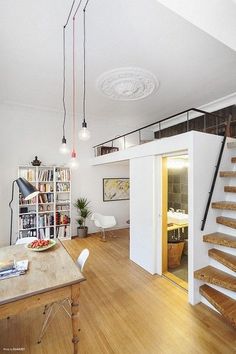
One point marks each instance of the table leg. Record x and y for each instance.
(75, 291)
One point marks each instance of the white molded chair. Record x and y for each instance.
(82, 259)
(103, 222)
(25, 240)
(49, 308)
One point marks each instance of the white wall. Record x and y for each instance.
(142, 212)
(26, 132)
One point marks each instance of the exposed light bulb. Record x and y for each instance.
(64, 148)
(84, 133)
(73, 163)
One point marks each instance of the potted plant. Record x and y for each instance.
(82, 206)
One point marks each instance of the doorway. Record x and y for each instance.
(175, 219)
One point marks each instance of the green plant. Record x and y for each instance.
(82, 206)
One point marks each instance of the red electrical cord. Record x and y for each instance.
(73, 154)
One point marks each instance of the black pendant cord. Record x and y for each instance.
(84, 69)
(64, 71)
(84, 124)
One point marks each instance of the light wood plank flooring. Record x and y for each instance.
(124, 310)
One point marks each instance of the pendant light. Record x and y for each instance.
(64, 148)
(84, 133)
(73, 162)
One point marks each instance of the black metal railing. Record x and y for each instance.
(227, 133)
(162, 129)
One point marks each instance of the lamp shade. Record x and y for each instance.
(27, 189)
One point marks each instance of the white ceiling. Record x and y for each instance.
(192, 67)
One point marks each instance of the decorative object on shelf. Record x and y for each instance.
(36, 162)
(115, 189)
(28, 192)
(127, 84)
(84, 133)
(82, 206)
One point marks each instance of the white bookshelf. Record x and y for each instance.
(49, 214)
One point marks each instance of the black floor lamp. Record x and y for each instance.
(27, 190)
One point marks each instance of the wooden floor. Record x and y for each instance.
(124, 310)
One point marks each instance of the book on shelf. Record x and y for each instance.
(28, 173)
(45, 198)
(62, 174)
(45, 187)
(63, 187)
(46, 220)
(27, 221)
(45, 175)
(62, 231)
(28, 233)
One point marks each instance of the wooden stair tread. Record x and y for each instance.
(231, 145)
(231, 189)
(223, 303)
(227, 173)
(224, 258)
(215, 276)
(225, 205)
(219, 238)
(223, 220)
(233, 159)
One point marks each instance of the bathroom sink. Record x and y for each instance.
(177, 218)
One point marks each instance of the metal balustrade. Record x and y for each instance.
(191, 119)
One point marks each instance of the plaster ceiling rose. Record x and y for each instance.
(127, 84)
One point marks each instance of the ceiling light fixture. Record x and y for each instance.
(64, 148)
(84, 133)
(73, 162)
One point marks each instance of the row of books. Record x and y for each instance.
(63, 207)
(47, 232)
(45, 175)
(28, 173)
(46, 220)
(46, 198)
(62, 219)
(62, 174)
(63, 187)
(63, 201)
(27, 221)
(27, 233)
(63, 231)
(45, 187)
(23, 202)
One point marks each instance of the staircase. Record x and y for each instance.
(211, 275)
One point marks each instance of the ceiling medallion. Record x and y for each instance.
(127, 84)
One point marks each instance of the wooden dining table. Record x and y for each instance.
(52, 276)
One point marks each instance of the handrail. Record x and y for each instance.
(158, 122)
(227, 133)
(213, 183)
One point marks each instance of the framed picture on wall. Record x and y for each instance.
(115, 189)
